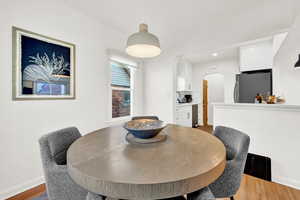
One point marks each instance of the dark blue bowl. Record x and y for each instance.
(144, 128)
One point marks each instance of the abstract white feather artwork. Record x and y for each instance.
(45, 68)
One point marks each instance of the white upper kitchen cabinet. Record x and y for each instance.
(257, 56)
(184, 75)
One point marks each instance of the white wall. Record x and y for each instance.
(159, 87)
(273, 131)
(227, 67)
(215, 92)
(286, 77)
(281, 125)
(23, 122)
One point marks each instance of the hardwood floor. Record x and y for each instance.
(29, 194)
(251, 189)
(257, 189)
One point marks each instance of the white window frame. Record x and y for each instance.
(131, 89)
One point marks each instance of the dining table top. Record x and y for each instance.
(103, 162)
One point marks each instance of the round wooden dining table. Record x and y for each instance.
(103, 162)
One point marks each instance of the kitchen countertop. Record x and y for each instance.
(186, 104)
(259, 106)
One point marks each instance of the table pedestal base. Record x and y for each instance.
(92, 196)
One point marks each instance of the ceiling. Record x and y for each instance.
(194, 27)
(206, 57)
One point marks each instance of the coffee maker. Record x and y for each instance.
(188, 98)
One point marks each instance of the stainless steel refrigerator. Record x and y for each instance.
(249, 84)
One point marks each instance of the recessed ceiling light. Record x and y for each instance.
(215, 54)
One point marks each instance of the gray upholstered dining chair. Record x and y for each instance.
(53, 147)
(226, 186)
(203, 194)
(145, 117)
(237, 145)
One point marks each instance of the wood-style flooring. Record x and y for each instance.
(29, 194)
(257, 189)
(251, 189)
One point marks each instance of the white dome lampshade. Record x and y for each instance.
(143, 44)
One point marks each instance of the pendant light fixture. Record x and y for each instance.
(143, 44)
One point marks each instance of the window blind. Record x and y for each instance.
(120, 75)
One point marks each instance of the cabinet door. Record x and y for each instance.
(188, 77)
(184, 116)
(180, 77)
(184, 123)
(184, 76)
(180, 83)
(256, 56)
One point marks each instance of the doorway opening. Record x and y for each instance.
(213, 92)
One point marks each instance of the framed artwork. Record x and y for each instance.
(43, 67)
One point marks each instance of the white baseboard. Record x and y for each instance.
(286, 181)
(21, 188)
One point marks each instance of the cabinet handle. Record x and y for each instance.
(188, 115)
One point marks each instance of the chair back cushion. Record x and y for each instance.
(236, 142)
(60, 141)
(237, 145)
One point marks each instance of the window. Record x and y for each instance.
(55, 88)
(121, 89)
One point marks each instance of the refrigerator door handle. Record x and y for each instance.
(236, 90)
(234, 93)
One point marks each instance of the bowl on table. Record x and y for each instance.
(144, 128)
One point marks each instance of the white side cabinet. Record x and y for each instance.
(188, 77)
(256, 56)
(184, 75)
(183, 115)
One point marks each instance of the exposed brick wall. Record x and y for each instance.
(118, 108)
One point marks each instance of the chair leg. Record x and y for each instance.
(231, 198)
